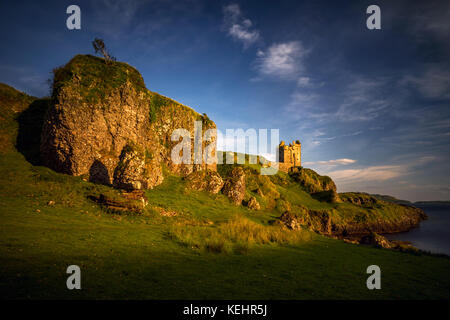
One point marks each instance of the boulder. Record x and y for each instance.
(134, 202)
(207, 180)
(130, 173)
(376, 240)
(234, 187)
(253, 204)
(290, 221)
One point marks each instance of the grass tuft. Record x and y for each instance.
(237, 235)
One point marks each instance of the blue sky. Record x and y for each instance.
(371, 107)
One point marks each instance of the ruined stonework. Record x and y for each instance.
(289, 155)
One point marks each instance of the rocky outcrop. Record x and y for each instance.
(311, 181)
(97, 109)
(408, 220)
(327, 222)
(253, 204)
(290, 221)
(234, 187)
(360, 199)
(376, 240)
(207, 180)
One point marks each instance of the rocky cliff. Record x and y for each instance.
(359, 214)
(99, 112)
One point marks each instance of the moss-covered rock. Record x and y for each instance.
(253, 204)
(234, 187)
(207, 180)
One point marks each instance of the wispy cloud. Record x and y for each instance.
(303, 82)
(343, 161)
(282, 60)
(376, 176)
(115, 16)
(433, 82)
(430, 19)
(373, 173)
(27, 80)
(303, 100)
(363, 100)
(239, 27)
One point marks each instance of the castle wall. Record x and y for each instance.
(289, 156)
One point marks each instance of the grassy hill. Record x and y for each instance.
(392, 199)
(186, 244)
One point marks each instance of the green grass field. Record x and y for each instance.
(149, 256)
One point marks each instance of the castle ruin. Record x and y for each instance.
(289, 155)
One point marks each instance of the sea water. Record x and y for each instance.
(433, 234)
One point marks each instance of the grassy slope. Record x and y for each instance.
(133, 256)
(12, 102)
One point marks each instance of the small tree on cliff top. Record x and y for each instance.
(99, 47)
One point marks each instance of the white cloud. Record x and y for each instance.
(282, 60)
(239, 27)
(303, 82)
(243, 34)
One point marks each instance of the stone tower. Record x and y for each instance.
(289, 156)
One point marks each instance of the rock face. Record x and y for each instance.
(234, 187)
(207, 180)
(98, 109)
